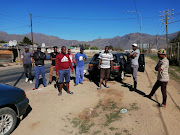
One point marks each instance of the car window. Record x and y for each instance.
(96, 57)
(115, 58)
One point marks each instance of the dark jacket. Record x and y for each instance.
(39, 59)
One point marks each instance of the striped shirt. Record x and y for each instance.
(163, 75)
(105, 59)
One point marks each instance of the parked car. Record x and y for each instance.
(117, 69)
(121, 65)
(13, 104)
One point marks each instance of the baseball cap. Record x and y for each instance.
(134, 44)
(82, 48)
(26, 47)
(39, 47)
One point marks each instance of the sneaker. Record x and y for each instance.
(99, 88)
(26, 80)
(75, 84)
(162, 105)
(35, 89)
(106, 86)
(30, 81)
(81, 83)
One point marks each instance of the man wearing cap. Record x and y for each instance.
(39, 58)
(162, 77)
(53, 65)
(134, 55)
(80, 58)
(27, 64)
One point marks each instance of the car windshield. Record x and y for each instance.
(96, 58)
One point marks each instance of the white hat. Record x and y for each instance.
(134, 44)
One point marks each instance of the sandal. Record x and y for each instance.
(106, 86)
(60, 93)
(162, 105)
(70, 92)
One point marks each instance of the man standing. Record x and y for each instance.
(105, 63)
(162, 77)
(63, 62)
(80, 58)
(71, 56)
(27, 63)
(134, 55)
(53, 67)
(39, 58)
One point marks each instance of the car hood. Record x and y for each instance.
(7, 88)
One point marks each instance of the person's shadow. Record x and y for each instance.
(137, 91)
(94, 79)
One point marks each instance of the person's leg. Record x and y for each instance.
(164, 92)
(77, 75)
(102, 74)
(37, 72)
(61, 75)
(57, 75)
(43, 75)
(107, 77)
(25, 70)
(81, 74)
(135, 69)
(30, 72)
(51, 74)
(67, 79)
(155, 87)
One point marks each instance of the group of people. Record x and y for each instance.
(62, 63)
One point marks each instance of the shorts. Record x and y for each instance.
(64, 74)
(104, 73)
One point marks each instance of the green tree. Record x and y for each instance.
(176, 39)
(2, 41)
(94, 48)
(111, 47)
(26, 41)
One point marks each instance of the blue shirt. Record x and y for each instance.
(80, 59)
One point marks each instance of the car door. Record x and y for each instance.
(141, 62)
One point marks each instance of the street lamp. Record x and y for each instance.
(140, 27)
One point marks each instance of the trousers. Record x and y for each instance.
(79, 74)
(40, 70)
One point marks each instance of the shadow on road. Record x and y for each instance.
(137, 91)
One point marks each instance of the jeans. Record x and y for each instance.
(135, 69)
(40, 70)
(27, 71)
(79, 72)
(64, 74)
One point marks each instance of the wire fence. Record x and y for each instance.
(174, 53)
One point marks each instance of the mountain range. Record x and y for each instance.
(123, 42)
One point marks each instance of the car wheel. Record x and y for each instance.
(8, 119)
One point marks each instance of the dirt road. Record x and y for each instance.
(89, 111)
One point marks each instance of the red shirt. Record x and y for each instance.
(63, 62)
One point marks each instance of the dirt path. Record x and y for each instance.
(89, 111)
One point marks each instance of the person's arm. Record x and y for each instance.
(52, 58)
(22, 57)
(111, 64)
(85, 58)
(32, 62)
(57, 62)
(42, 56)
(99, 64)
(76, 59)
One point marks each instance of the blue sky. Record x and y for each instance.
(85, 20)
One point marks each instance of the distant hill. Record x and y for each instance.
(123, 42)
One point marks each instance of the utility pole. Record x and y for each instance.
(166, 15)
(31, 29)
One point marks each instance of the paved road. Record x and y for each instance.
(15, 75)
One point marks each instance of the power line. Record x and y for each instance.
(85, 19)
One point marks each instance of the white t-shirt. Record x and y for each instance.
(134, 61)
(105, 59)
